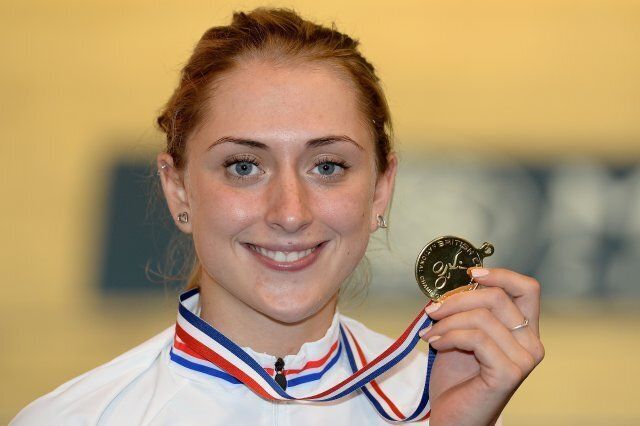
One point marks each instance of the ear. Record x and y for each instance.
(383, 191)
(174, 190)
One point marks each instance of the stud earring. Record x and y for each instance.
(183, 217)
(164, 166)
(382, 222)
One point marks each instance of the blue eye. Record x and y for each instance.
(241, 168)
(329, 168)
(244, 168)
(326, 168)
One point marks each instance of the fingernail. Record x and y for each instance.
(433, 339)
(424, 331)
(479, 272)
(432, 308)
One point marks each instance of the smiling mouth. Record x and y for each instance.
(286, 260)
(283, 256)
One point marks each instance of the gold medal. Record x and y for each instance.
(441, 267)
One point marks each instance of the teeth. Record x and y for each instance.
(282, 256)
(291, 257)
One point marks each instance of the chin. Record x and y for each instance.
(290, 309)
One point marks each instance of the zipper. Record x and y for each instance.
(282, 381)
(279, 377)
(275, 412)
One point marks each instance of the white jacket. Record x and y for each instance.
(160, 382)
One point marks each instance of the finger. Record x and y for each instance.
(482, 319)
(495, 300)
(501, 306)
(524, 290)
(496, 369)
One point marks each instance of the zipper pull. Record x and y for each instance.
(280, 379)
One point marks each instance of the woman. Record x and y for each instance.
(279, 165)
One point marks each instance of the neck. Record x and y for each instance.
(248, 327)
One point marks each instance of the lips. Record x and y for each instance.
(294, 259)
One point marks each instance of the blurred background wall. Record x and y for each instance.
(516, 122)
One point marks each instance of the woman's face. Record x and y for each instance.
(281, 187)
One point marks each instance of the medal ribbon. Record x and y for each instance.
(219, 350)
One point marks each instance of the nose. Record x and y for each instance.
(288, 203)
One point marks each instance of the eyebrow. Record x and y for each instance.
(311, 143)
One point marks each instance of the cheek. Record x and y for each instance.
(346, 210)
(221, 210)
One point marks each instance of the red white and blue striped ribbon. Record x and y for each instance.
(204, 339)
(313, 370)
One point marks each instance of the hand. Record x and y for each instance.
(481, 361)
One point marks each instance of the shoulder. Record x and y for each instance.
(83, 399)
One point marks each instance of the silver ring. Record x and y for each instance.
(519, 326)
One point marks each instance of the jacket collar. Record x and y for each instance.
(309, 364)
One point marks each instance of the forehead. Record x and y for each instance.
(271, 101)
